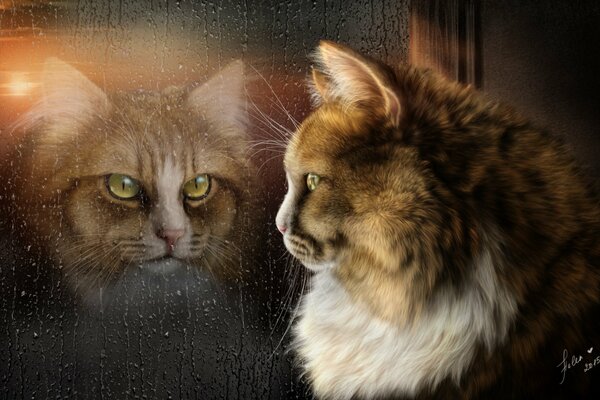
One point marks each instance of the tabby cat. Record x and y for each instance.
(101, 182)
(455, 246)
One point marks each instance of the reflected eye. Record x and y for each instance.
(122, 186)
(312, 181)
(197, 188)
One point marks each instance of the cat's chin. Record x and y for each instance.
(319, 266)
(163, 265)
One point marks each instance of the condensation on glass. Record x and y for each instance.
(177, 334)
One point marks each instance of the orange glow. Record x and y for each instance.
(19, 85)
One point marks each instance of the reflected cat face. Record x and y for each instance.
(110, 181)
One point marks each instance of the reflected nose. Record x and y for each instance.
(170, 236)
(282, 228)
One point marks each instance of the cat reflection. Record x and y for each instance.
(102, 182)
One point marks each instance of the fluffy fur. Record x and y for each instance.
(349, 352)
(455, 245)
(56, 194)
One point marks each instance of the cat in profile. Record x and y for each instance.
(454, 245)
(102, 182)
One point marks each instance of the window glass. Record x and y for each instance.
(155, 329)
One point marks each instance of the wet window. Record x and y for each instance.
(141, 147)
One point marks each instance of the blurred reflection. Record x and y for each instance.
(174, 332)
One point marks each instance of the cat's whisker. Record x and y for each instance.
(92, 254)
(222, 256)
(284, 254)
(267, 161)
(283, 307)
(270, 122)
(267, 141)
(266, 149)
(279, 153)
(87, 248)
(206, 265)
(282, 132)
(226, 250)
(280, 105)
(296, 309)
(292, 119)
(133, 244)
(275, 130)
(81, 269)
(290, 276)
(232, 257)
(280, 137)
(88, 235)
(115, 267)
(268, 144)
(225, 242)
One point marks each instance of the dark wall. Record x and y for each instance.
(542, 57)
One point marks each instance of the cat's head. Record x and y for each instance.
(361, 199)
(107, 181)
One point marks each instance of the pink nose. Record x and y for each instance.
(170, 236)
(282, 229)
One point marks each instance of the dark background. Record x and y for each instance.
(543, 58)
(180, 334)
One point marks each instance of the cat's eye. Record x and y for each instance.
(122, 186)
(197, 188)
(312, 181)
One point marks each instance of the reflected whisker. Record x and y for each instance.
(278, 100)
(267, 161)
(290, 295)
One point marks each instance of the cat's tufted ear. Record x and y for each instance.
(223, 97)
(319, 85)
(68, 96)
(341, 74)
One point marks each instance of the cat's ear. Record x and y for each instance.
(319, 85)
(68, 95)
(341, 74)
(223, 97)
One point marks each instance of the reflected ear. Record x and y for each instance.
(343, 75)
(222, 98)
(68, 95)
(69, 100)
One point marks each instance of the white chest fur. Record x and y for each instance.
(347, 352)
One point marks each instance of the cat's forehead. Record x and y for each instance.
(142, 136)
(324, 137)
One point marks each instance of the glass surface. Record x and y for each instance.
(165, 329)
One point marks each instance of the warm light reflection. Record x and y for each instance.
(19, 85)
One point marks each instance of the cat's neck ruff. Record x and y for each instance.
(346, 351)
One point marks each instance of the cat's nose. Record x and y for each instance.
(282, 228)
(170, 236)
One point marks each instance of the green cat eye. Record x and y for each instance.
(312, 181)
(197, 188)
(122, 186)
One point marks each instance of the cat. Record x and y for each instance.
(101, 182)
(454, 246)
